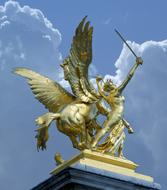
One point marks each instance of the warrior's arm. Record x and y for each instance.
(139, 61)
(127, 125)
(100, 104)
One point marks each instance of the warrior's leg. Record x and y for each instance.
(83, 137)
(120, 149)
(112, 120)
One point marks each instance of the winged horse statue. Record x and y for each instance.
(76, 113)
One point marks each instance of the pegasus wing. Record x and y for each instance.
(47, 91)
(76, 65)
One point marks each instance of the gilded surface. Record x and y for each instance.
(103, 162)
(76, 115)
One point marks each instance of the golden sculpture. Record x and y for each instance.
(76, 115)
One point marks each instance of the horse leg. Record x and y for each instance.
(84, 137)
(44, 122)
(112, 120)
(74, 141)
(46, 119)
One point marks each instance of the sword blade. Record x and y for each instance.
(125, 42)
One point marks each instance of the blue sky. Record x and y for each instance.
(38, 36)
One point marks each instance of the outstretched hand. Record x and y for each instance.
(139, 60)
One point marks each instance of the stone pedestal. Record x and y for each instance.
(94, 171)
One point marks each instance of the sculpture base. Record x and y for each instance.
(92, 170)
(103, 162)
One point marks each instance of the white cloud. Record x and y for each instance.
(5, 23)
(148, 50)
(35, 20)
(47, 37)
(23, 32)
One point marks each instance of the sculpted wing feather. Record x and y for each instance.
(76, 65)
(47, 91)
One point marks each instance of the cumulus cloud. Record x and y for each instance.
(146, 103)
(24, 33)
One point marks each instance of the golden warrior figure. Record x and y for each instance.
(76, 114)
(115, 121)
